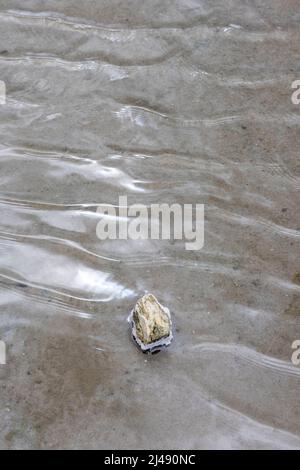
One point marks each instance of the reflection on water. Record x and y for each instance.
(179, 101)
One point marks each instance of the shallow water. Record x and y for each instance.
(169, 101)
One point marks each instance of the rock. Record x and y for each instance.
(151, 320)
(151, 324)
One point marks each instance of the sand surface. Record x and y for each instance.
(164, 101)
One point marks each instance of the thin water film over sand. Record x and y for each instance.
(162, 101)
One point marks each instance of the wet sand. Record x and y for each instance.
(165, 102)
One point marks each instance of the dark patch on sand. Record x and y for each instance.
(294, 307)
(296, 279)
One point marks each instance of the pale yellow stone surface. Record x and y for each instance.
(151, 320)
